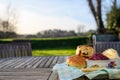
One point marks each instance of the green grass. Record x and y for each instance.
(55, 52)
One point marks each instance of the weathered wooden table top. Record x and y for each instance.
(29, 68)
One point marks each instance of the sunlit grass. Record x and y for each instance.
(53, 52)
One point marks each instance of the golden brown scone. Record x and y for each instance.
(76, 61)
(85, 51)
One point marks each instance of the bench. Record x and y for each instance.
(103, 42)
(11, 50)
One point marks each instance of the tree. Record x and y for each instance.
(97, 14)
(113, 18)
(8, 24)
(55, 33)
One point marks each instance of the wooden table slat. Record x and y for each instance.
(54, 61)
(49, 62)
(5, 63)
(31, 64)
(25, 65)
(44, 62)
(34, 62)
(60, 59)
(24, 62)
(16, 62)
(29, 68)
(38, 63)
(2, 61)
(53, 76)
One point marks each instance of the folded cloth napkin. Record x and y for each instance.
(92, 75)
(67, 72)
(112, 73)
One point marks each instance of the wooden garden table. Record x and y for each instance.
(29, 68)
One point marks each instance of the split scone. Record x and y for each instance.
(85, 51)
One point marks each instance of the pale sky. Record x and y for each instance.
(37, 15)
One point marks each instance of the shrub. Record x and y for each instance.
(58, 42)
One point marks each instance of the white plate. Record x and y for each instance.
(102, 63)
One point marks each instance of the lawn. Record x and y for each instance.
(51, 52)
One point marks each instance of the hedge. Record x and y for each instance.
(43, 43)
(58, 42)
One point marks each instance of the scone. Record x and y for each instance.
(76, 61)
(85, 51)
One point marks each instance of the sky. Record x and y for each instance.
(34, 16)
